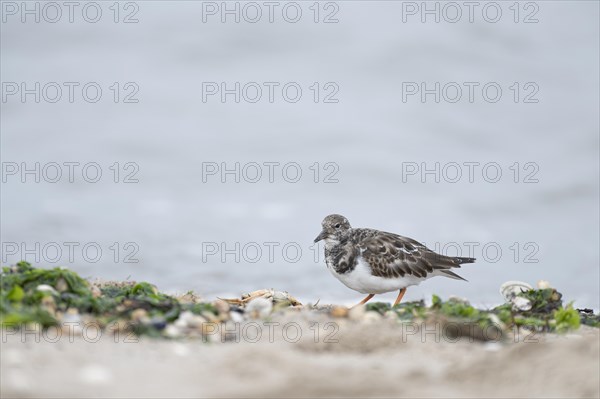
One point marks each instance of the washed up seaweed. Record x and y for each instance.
(44, 296)
(543, 312)
(50, 297)
(588, 317)
(539, 310)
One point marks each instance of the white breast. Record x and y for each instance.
(360, 279)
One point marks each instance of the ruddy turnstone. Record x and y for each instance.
(373, 262)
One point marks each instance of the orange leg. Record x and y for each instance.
(400, 295)
(367, 299)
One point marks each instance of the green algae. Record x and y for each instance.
(35, 295)
(588, 318)
(546, 313)
(22, 299)
(379, 307)
(28, 278)
(404, 311)
(42, 296)
(410, 310)
(567, 319)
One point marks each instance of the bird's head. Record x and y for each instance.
(334, 227)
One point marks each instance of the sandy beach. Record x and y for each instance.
(297, 355)
(168, 168)
(63, 336)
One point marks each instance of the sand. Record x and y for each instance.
(370, 358)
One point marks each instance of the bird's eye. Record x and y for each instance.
(337, 226)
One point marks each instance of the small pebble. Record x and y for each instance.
(49, 305)
(222, 306)
(210, 316)
(180, 324)
(236, 317)
(196, 321)
(158, 322)
(543, 284)
(72, 322)
(46, 288)
(171, 331)
(139, 315)
(61, 285)
(339, 311)
(259, 307)
(96, 292)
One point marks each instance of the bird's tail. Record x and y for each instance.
(460, 260)
(444, 263)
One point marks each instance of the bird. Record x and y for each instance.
(375, 262)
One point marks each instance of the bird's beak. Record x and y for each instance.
(321, 236)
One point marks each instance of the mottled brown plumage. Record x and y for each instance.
(387, 255)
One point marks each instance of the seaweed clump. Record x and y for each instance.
(588, 317)
(56, 297)
(539, 310)
(48, 297)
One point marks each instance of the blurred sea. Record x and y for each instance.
(369, 135)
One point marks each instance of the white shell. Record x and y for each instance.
(543, 284)
(46, 288)
(172, 332)
(259, 307)
(520, 303)
(280, 296)
(183, 319)
(236, 317)
(511, 289)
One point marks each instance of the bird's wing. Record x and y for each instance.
(391, 255)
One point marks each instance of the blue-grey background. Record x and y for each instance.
(368, 134)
